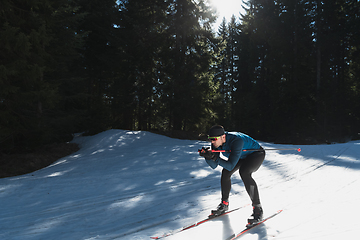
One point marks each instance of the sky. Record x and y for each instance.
(226, 8)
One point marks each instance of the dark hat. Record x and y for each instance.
(216, 131)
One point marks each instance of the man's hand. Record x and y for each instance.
(208, 154)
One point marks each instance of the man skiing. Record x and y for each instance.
(246, 162)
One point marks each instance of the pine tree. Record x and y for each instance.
(272, 33)
(190, 53)
(27, 93)
(333, 30)
(221, 73)
(142, 26)
(99, 58)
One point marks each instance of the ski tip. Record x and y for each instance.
(278, 211)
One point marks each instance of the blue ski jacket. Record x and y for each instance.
(235, 142)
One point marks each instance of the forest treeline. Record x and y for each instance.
(287, 71)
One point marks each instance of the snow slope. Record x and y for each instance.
(133, 185)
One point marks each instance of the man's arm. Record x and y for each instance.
(236, 150)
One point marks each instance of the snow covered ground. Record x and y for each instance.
(134, 185)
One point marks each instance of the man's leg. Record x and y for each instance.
(249, 165)
(226, 181)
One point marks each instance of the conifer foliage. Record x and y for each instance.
(286, 71)
(294, 70)
(36, 49)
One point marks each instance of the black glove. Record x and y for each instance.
(208, 154)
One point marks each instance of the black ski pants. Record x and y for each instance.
(246, 167)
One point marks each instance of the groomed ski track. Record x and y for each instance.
(134, 185)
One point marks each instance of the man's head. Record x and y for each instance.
(217, 135)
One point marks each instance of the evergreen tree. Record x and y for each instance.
(221, 68)
(296, 54)
(29, 69)
(69, 114)
(99, 58)
(353, 91)
(226, 74)
(191, 49)
(143, 24)
(333, 30)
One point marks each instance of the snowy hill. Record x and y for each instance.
(134, 185)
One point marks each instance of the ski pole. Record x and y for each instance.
(260, 149)
(248, 150)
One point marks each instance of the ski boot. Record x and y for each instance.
(256, 217)
(221, 209)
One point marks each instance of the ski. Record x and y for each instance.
(251, 226)
(210, 217)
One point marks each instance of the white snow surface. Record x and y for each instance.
(136, 184)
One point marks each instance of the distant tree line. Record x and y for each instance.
(288, 71)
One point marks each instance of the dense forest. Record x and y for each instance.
(286, 71)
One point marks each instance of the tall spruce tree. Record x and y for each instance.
(142, 27)
(333, 31)
(99, 60)
(221, 70)
(69, 115)
(246, 104)
(190, 52)
(30, 49)
(226, 71)
(353, 94)
(298, 54)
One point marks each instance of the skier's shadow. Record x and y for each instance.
(228, 231)
(227, 228)
(261, 231)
